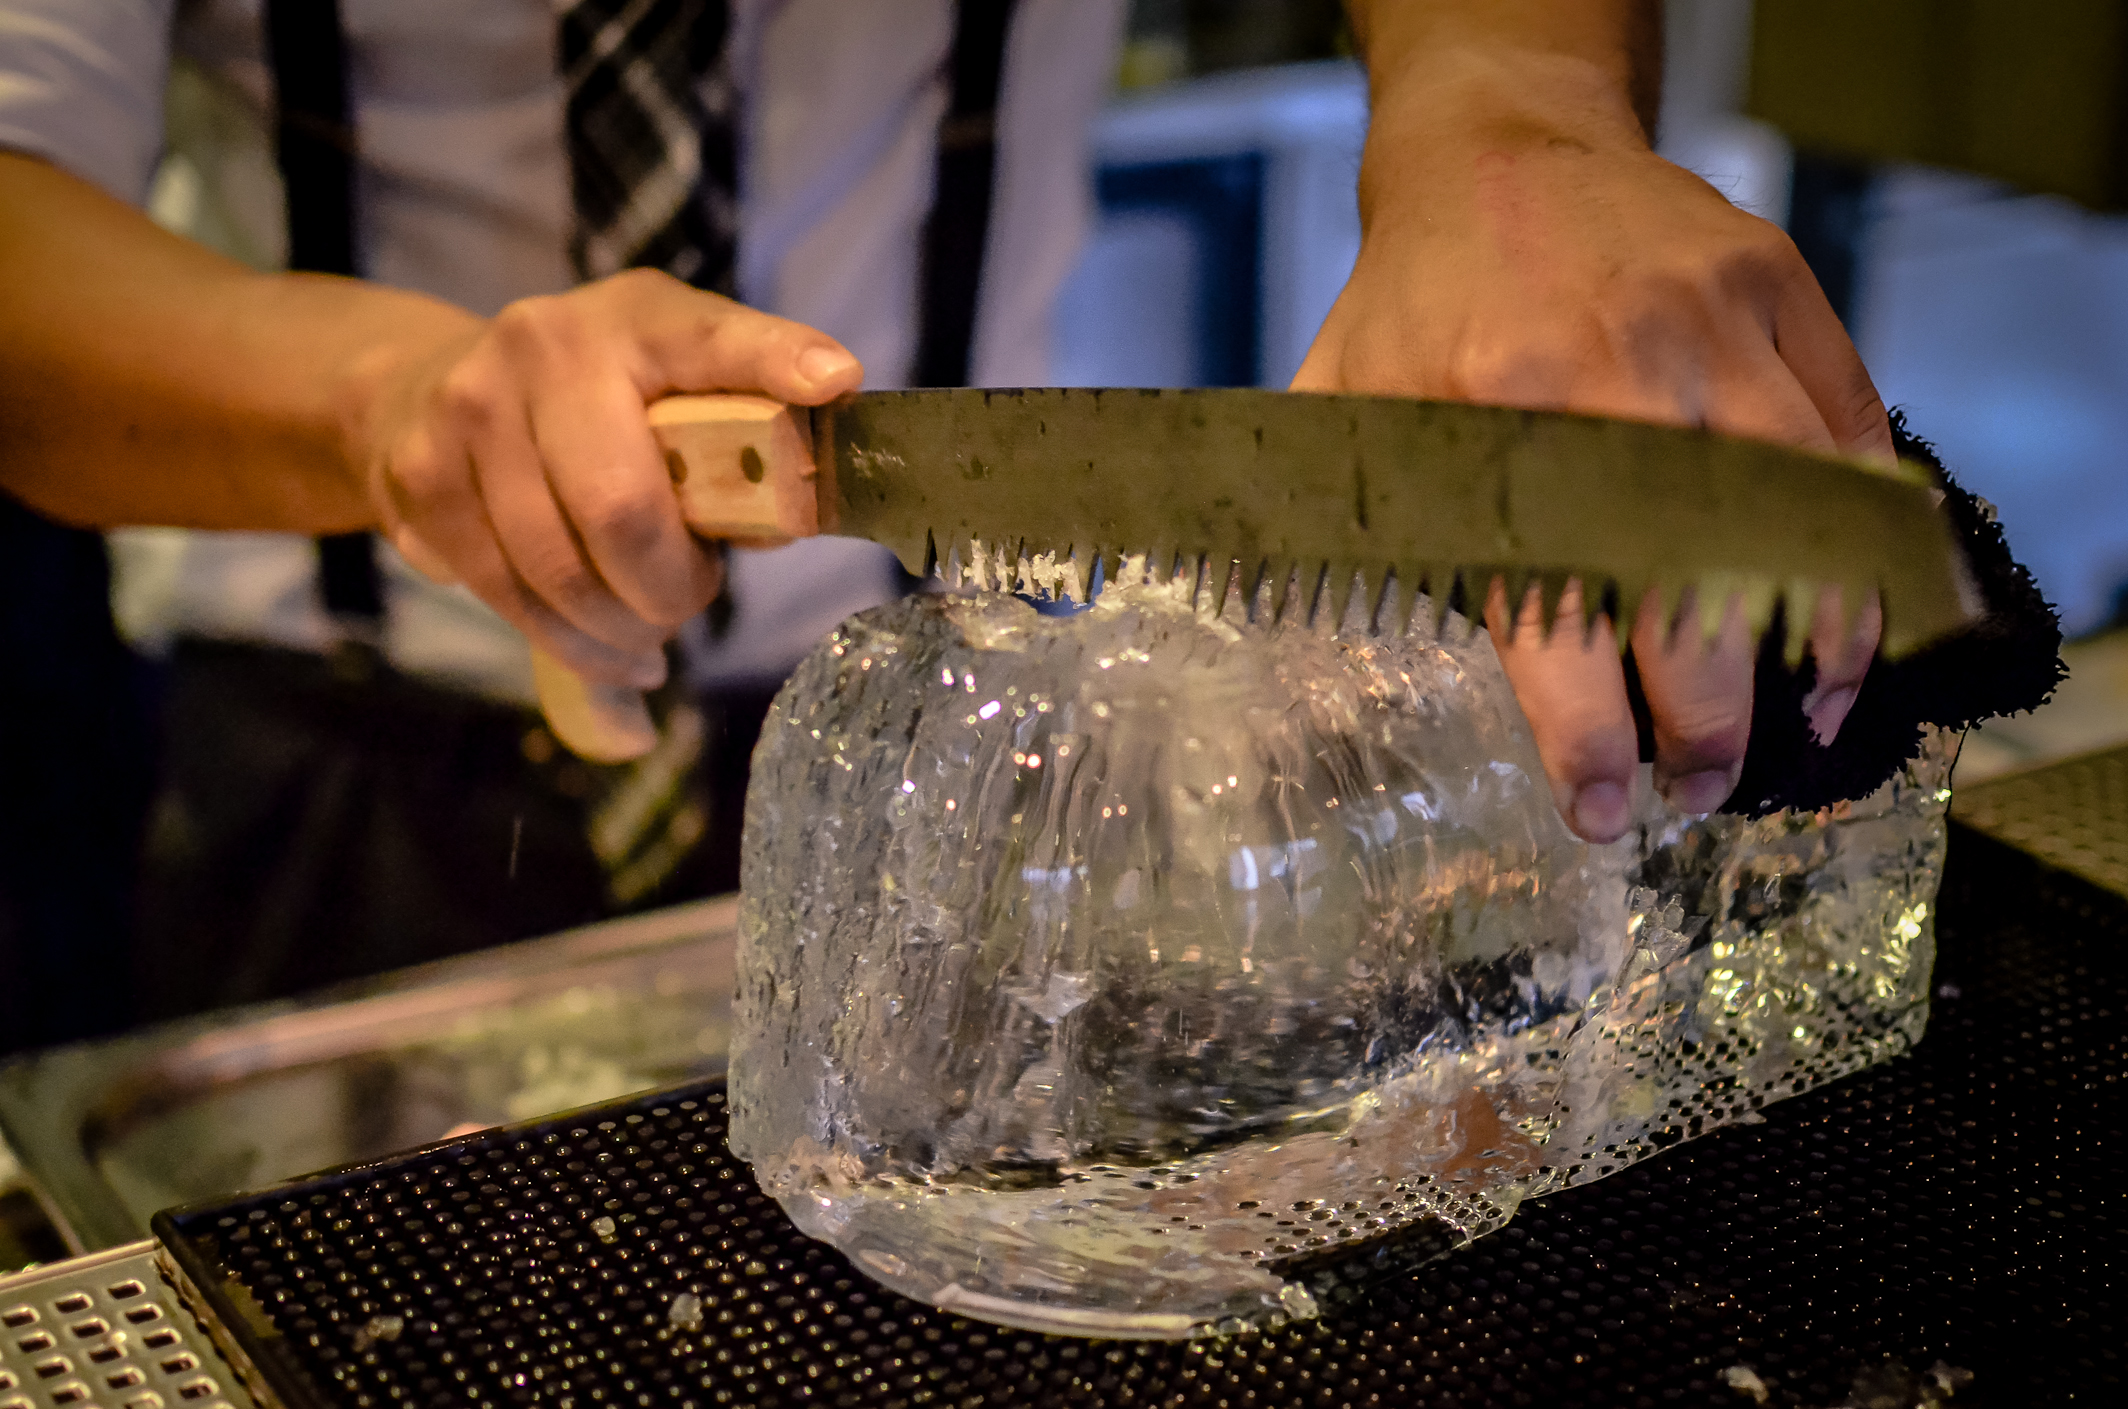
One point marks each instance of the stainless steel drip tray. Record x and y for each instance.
(107, 1330)
(109, 1132)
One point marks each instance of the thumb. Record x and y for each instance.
(695, 341)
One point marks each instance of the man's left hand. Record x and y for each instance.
(1524, 247)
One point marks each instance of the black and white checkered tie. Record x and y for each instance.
(652, 160)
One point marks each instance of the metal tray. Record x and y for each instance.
(107, 1330)
(109, 1132)
(1944, 1223)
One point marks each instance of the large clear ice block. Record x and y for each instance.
(1101, 973)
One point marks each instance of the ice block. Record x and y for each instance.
(1119, 972)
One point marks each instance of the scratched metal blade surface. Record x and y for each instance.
(1315, 487)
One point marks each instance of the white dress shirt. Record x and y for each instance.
(463, 194)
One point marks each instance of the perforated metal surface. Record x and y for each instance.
(1958, 1206)
(2072, 814)
(106, 1331)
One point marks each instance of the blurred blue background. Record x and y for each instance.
(1998, 319)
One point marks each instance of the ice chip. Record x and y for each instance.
(383, 1327)
(1745, 1381)
(1284, 948)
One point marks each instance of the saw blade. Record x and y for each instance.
(1278, 492)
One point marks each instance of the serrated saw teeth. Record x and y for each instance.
(1173, 470)
(1344, 597)
(1551, 590)
(1231, 599)
(1383, 619)
(1292, 592)
(1350, 586)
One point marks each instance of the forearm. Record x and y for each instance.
(150, 381)
(1605, 54)
(1457, 85)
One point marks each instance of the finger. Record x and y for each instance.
(421, 485)
(1573, 691)
(424, 559)
(599, 481)
(1843, 658)
(396, 521)
(1629, 399)
(697, 341)
(543, 553)
(1809, 338)
(476, 559)
(1502, 364)
(578, 490)
(1754, 394)
(583, 653)
(1649, 366)
(1698, 689)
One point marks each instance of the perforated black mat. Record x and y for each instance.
(1960, 1206)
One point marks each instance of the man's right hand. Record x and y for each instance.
(152, 381)
(514, 456)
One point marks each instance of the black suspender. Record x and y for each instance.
(314, 139)
(314, 145)
(954, 238)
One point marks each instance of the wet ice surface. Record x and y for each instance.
(1102, 973)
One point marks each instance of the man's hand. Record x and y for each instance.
(515, 456)
(151, 381)
(1523, 246)
(154, 382)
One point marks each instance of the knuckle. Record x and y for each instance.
(565, 585)
(415, 470)
(539, 329)
(420, 492)
(1865, 407)
(1755, 266)
(671, 613)
(668, 600)
(1531, 368)
(1709, 732)
(524, 321)
(633, 294)
(556, 573)
(721, 325)
(624, 524)
(640, 282)
(1762, 247)
(1664, 312)
(1767, 245)
(1595, 755)
(467, 397)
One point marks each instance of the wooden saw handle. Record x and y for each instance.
(742, 467)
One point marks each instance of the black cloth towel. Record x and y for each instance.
(2009, 661)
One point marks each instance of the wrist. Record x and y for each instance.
(1434, 120)
(1592, 63)
(388, 372)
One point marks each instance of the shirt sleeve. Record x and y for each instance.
(81, 85)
